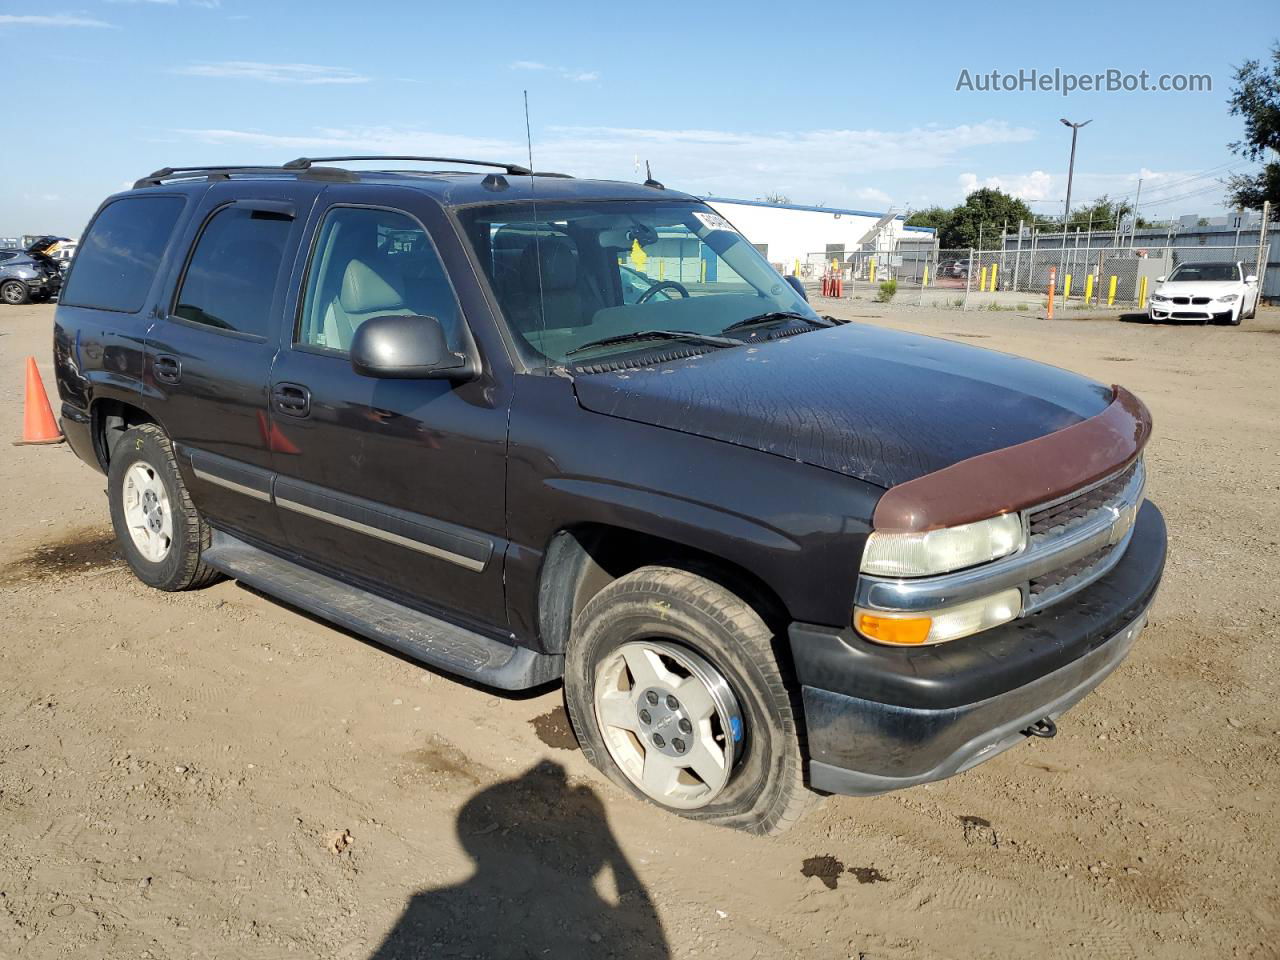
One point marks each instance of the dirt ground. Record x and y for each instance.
(214, 774)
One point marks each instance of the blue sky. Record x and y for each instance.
(831, 103)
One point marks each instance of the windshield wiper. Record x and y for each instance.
(687, 335)
(773, 316)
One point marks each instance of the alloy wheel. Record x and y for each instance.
(669, 720)
(146, 511)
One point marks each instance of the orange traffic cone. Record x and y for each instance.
(38, 425)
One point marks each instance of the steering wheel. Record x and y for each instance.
(663, 285)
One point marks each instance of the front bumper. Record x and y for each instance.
(881, 718)
(1174, 311)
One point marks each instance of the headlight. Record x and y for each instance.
(1229, 298)
(1158, 298)
(938, 626)
(939, 551)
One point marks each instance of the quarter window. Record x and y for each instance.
(231, 279)
(118, 260)
(371, 263)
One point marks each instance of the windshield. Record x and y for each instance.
(608, 270)
(1202, 272)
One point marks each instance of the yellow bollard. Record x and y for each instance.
(794, 273)
(702, 278)
(662, 269)
(982, 280)
(1142, 294)
(925, 281)
(1088, 288)
(1111, 291)
(872, 277)
(1066, 288)
(994, 288)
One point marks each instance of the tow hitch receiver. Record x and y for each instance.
(1044, 728)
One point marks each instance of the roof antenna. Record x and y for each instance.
(648, 178)
(533, 197)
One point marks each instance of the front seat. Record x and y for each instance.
(557, 279)
(368, 290)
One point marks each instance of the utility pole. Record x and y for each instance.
(1071, 170)
(1134, 228)
(1263, 247)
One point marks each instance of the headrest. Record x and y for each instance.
(559, 265)
(366, 290)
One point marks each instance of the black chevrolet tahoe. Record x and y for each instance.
(524, 428)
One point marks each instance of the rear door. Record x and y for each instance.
(209, 353)
(395, 484)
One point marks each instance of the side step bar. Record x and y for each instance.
(418, 635)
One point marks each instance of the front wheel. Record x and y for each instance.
(160, 533)
(676, 694)
(14, 293)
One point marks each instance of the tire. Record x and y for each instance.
(143, 471)
(14, 293)
(686, 619)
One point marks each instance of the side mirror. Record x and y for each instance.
(798, 285)
(406, 348)
(1160, 279)
(1251, 278)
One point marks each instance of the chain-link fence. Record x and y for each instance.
(1015, 277)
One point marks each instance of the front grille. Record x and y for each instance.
(1056, 581)
(1059, 518)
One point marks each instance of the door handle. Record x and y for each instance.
(167, 369)
(291, 399)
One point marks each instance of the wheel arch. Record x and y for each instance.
(109, 418)
(581, 561)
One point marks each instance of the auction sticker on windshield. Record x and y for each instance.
(713, 221)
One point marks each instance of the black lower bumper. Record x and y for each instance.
(881, 718)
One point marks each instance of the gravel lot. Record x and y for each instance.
(216, 775)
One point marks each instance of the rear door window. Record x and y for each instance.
(118, 260)
(231, 280)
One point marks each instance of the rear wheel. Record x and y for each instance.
(160, 533)
(14, 292)
(676, 694)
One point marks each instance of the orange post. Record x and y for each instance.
(38, 425)
(1053, 277)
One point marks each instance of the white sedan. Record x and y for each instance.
(1220, 292)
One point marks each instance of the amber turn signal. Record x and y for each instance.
(901, 631)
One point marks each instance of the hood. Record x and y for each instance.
(876, 404)
(1198, 288)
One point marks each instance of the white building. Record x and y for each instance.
(793, 236)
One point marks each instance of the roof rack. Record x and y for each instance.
(223, 172)
(515, 169)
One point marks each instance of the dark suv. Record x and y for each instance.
(767, 553)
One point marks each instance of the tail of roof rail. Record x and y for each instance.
(225, 172)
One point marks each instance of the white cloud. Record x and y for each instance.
(1032, 186)
(55, 20)
(573, 75)
(809, 166)
(304, 73)
(872, 195)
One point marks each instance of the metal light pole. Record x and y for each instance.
(1071, 170)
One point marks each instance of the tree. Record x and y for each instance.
(936, 217)
(983, 214)
(1101, 214)
(1256, 98)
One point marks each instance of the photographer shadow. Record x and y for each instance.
(543, 852)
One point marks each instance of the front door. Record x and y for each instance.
(395, 484)
(210, 350)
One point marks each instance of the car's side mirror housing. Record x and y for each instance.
(1160, 279)
(397, 347)
(798, 285)
(1251, 278)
